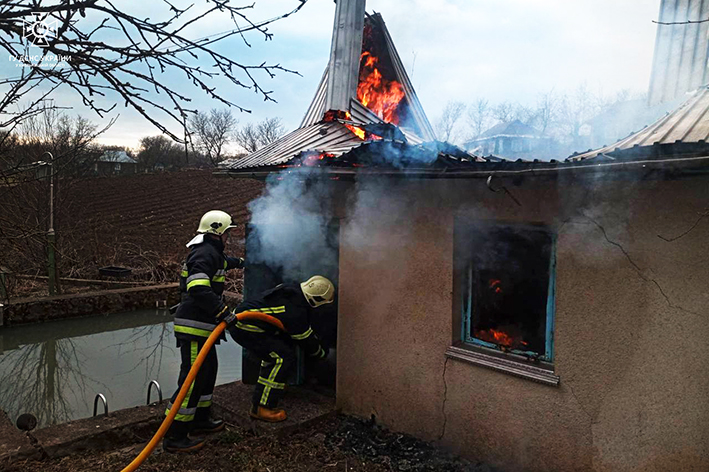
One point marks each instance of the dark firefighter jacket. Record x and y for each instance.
(287, 303)
(202, 284)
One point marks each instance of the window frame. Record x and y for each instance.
(537, 368)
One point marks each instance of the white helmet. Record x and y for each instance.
(215, 222)
(318, 291)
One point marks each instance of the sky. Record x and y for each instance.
(458, 50)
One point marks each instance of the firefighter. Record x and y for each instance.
(294, 305)
(201, 283)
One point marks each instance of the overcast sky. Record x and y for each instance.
(452, 49)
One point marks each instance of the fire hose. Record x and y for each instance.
(148, 449)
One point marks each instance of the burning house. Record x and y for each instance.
(530, 315)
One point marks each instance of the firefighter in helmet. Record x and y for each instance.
(202, 284)
(294, 305)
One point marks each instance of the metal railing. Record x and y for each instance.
(105, 404)
(157, 386)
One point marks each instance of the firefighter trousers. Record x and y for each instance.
(198, 402)
(277, 358)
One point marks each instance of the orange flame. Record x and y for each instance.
(312, 160)
(359, 132)
(495, 284)
(375, 92)
(499, 337)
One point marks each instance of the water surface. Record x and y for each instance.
(54, 370)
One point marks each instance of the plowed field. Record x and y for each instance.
(158, 212)
(140, 221)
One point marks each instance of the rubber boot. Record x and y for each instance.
(207, 426)
(176, 439)
(182, 444)
(262, 413)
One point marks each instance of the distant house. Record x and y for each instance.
(115, 163)
(513, 140)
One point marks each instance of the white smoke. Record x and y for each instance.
(290, 221)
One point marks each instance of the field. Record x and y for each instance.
(141, 221)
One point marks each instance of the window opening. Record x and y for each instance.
(508, 301)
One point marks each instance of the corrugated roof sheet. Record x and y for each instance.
(331, 137)
(316, 110)
(425, 130)
(686, 127)
(334, 137)
(679, 63)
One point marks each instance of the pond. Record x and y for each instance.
(54, 370)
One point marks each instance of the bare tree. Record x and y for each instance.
(253, 136)
(446, 126)
(504, 112)
(99, 49)
(159, 150)
(247, 137)
(524, 114)
(479, 116)
(546, 111)
(212, 132)
(270, 130)
(24, 188)
(576, 109)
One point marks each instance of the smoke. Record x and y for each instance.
(290, 226)
(377, 207)
(399, 155)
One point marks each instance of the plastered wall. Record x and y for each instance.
(630, 334)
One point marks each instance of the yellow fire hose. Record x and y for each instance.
(246, 315)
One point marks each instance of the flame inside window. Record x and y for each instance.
(507, 282)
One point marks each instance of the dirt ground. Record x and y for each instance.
(140, 221)
(339, 444)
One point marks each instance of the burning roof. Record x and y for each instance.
(383, 107)
(366, 117)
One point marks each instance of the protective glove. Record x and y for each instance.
(224, 314)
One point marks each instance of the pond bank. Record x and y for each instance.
(39, 309)
(34, 310)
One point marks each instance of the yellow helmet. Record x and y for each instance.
(318, 291)
(215, 222)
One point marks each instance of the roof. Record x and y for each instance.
(332, 133)
(684, 131)
(331, 136)
(117, 156)
(514, 128)
(420, 125)
(679, 63)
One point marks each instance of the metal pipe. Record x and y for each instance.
(51, 236)
(157, 385)
(105, 404)
(51, 191)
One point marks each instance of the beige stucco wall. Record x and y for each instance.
(631, 329)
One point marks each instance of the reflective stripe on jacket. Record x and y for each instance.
(202, 284)
(287, 303)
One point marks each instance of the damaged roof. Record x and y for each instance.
(334, 133)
